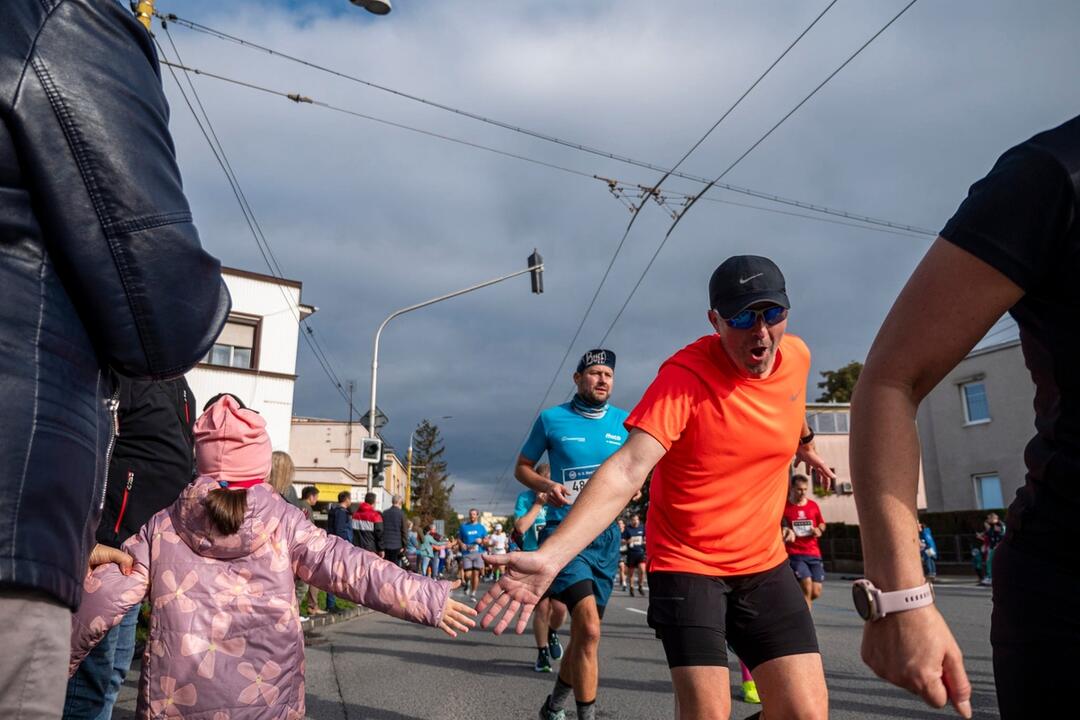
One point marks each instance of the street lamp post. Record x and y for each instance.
(536, 268)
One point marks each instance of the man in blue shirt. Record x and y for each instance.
(472, 536)
(578, 436)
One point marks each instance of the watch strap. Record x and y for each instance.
(807, 438)
(901, 600)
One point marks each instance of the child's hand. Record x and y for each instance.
(456, 616)
(103, 555)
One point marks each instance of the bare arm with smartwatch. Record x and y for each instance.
(914, 648)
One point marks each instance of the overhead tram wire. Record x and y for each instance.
(219, 155)
(298, 98)
(635, 209)
(272, 262)
(743, 156)
(771, 197)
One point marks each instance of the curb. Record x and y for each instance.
(330, 619)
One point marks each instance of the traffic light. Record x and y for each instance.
(371, 450)
(377, 476)
(537, 275)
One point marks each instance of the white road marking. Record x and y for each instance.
(641, 612)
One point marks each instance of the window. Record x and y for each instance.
(826, 422)
(976, 407)
(235, 347)
(988, 492)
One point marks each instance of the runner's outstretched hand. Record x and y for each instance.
(807, 455)
(527, 576)
(456, 617)
(916, 651)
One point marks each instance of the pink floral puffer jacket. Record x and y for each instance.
(225, 639)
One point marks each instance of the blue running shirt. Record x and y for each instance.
(522, 506)
(576, 446)
(472, 535)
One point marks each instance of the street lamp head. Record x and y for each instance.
(375, 7)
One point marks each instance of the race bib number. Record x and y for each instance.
(575, 479)
(803, 528)
(636, 541)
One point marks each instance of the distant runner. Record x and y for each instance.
(472, 536)
(802, 526)
(635, 553)
(530, 517)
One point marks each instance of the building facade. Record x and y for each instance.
(255, 356)
(831, 423)
(326, 454)
(973, 428)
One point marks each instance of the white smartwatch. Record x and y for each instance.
(873, 604)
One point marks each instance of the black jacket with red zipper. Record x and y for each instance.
(154, 456)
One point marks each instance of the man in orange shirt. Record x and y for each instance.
(719, 424)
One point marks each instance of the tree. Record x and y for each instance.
(430, 491)
(838, 385)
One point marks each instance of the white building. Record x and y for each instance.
(830, 423)
(255, 356)
(326, 454)
(973, 428)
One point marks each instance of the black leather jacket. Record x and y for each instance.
(101, 270)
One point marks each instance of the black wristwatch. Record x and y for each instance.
(807, 439)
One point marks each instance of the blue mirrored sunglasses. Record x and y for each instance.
(748, 318)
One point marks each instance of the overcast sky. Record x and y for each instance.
(372, 218)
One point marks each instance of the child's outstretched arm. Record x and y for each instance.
(108, 594)
(338, 567)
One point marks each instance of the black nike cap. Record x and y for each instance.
(742, 281)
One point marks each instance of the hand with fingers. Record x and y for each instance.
(525, 578)
(457, 617)
(558, 495)
(808, 456)
(103, 555)
(916, 651)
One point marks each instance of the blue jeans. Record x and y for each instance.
(92, 690)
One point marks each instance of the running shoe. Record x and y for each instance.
(554, 646)
(986, 581)
(548, 714)
(542, 662)
(750, 693)
(641, 591)
(631, 591)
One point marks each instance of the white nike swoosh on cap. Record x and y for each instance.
(743, 281)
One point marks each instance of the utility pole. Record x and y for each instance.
(144, 12)
(348, 431)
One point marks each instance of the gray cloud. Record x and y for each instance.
(373, 218)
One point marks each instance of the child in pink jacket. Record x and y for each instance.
(218, 564)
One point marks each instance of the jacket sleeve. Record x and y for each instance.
(338, 567)
(90, 121)
(108, 594)
(378, 533)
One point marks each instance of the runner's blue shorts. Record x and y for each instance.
(598, 563)
(807, 566)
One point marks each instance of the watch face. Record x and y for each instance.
(861, 596)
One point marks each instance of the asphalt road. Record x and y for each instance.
(378, 668)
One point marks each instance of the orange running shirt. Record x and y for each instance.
(718, 494)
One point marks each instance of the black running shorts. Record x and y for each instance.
(762, 616)
(1034, 621)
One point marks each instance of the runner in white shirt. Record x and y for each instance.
(497, 546)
